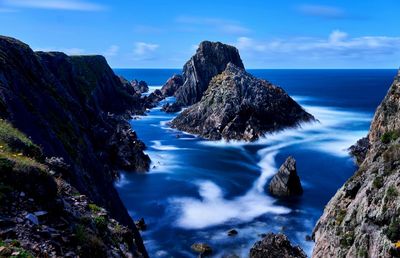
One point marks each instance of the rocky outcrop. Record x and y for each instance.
(73, 108)
(153, 99)
(238, 106)
(286, 182)
(171, 108)
(276, 245)
(362, 219)
(172, 85)
(211, 58)
(140, 86)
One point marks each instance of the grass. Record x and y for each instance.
(94, 208)
(390, 136)
(340, 216)
(101, 223)
(14, 247)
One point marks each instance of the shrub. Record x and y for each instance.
(389, 136)
(393, 230)
(101, 223)
(378, 182)
(391, 192)
(348, 239)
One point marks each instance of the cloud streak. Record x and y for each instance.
(70, 5)
(144, 51)
(111, 51)
(337, 47)
(221, 25)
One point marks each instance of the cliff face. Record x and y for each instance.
(71, 107)
(211, 58)
(362, 219)
(239, 106)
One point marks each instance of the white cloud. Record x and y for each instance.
(143, 50)
(73, 5)
(337, 48)
(323, 11)
(221, 25)
(111, 51)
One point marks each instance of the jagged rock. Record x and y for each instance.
(232, 232)
(359, 150)
(153, 99)
(238, 106)
(171, 108)
(172, 85)
(276, 245)
(141, 224)
(362, 219)
(286, 182)
(140, 86)
(211, 58)
(202, 248)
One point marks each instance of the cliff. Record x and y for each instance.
(238, 106)
(73, 107)
(362, 219)
(211, 58)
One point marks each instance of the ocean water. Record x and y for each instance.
(197, 190)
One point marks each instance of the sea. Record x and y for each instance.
(197, 190)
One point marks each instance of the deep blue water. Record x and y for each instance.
(197, 189)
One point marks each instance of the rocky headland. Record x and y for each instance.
(362, 219)
(238, 106)
(73, 110)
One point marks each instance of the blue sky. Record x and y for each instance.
(164, 34)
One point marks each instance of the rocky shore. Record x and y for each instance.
(73, 107)
(362, 219)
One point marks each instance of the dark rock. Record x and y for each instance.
(140, 86)
(286, 182)
(238, 106)
(153, 99)
(172, 85)
(359, 150)
(68, 105)
(308, 238)
(141, 224)
(202, 248)
(172, 108)
(232, 232)
(276, 245)
(32, 218)
(211, 58)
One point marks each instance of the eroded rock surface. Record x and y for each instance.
(286, 182)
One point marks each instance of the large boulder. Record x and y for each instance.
(286, 182)
(276, 245)
(211, 58)
(172, 85)
(140, 86)
(238, 106)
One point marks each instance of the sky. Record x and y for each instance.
(165, 33)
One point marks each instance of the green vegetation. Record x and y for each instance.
(348, 239)
(391, 193)
(13, 247)
(340, 214)
(101, 223)
(390, 136)
(92, 246)
(94, 208)
(393, 230)
(378, 182)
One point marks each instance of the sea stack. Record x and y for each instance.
(286, 182)
(238, 106)
(211, 58)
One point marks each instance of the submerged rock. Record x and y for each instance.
(286, 182)
(202, 248)
(140, 86)
(211, 58)
(232, 232)
(238, 106)
(276, 245)
(172, 85)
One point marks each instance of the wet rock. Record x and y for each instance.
(286, 182)
(140, 86)
(32, 218)
(172, 85)
(141, 224)
(211, 58)
(172, 108)
(232, 232)
(153, 99)
(238, 106)
(202, 248)
(276, 245)
(308, 238)
(359, 150)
